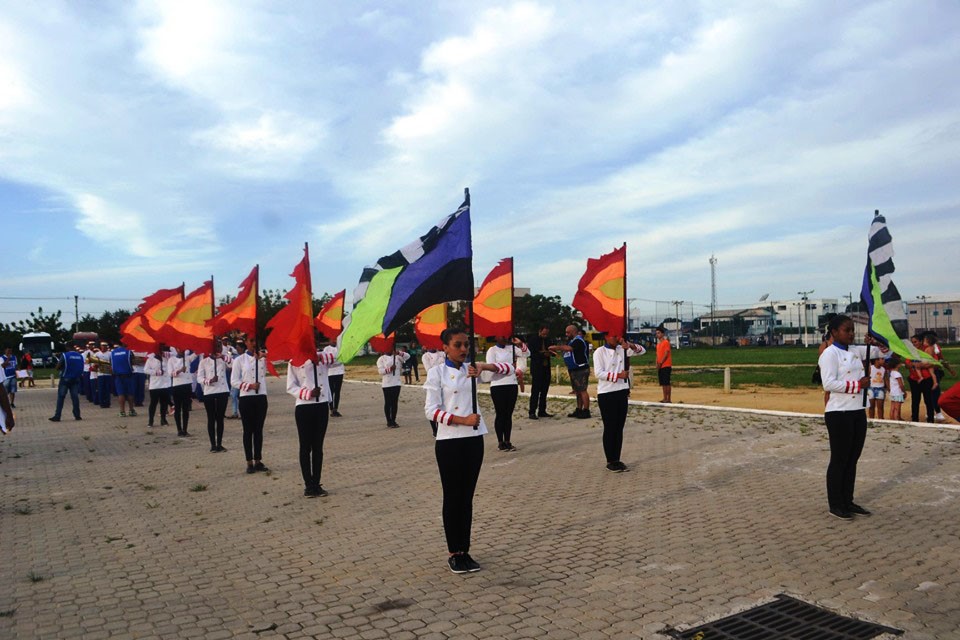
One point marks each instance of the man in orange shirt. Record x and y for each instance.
(664, 362)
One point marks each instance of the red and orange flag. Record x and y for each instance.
(602, 292)
(329, 321)
(383, 344)
(187, 328)
(239, 314)
(158, 305)
(493, 304)
(292, 336)
(428, 325)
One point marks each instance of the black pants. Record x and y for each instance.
(935, 392)
(253, 413)
(181, 406)
(539, 386)
(336, 383)
(923, 389)
(459, 461)
(216, 406)
(848, 431)
(311, 427)
(161, 397)
(504, 400)
(613, 412)
(391, 398)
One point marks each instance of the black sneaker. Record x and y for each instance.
(336, 414)
(843, 514)
(457, 565)
(149, 425)
(857, 510)
(545, 415)
(54, 419)
(584, 414)
(213, 449)
(221, 449)
(472, 565)
(575, 414)
(533, 416)
(509, 446)
(250, 469)
(164, 423)
(310, 492)
(502, 446)
(321, 492)
(616, 467)
(132, 413)
(259, 466)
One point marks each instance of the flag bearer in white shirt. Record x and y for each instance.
(504, 387)
(181, 388)
(389, 366)
(212, 376)
(159, 385)
(249, 376)
(310, 385)
(459, 445)
(613, 387)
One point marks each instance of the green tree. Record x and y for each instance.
(532, 311)
(37, 322)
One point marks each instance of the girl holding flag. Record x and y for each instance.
(309, 384)
(459, 445)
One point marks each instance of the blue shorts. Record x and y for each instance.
(10, 384)
(877, 393)
(125, 384)
(896, 397)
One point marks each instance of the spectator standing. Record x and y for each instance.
(664, 364)
(7, 421)
(540, 355)
(70, 364)
(10, 372)
(576, 357)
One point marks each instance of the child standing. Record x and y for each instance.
(878, 387)
(895, 384)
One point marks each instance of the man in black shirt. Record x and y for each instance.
(540, 355)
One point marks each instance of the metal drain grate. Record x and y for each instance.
(785, 618)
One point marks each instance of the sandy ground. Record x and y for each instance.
(764, 398)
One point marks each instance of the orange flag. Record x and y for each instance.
(428, 325)
(383, 344)
(187, 327)
(329, 321)
(602, 292)
(134, 332)
(292, 335)
(493, 304)
(239, 314)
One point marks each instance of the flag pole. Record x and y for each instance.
(213, 337)
(473, 347)
(256, 337)
(316, 360)
(626, 316)
(513, 348)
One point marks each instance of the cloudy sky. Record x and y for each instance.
(147, 143)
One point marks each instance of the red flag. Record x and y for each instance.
(329, 321)
(186, 328)
(493, 304)
(239, 314)
(602, 292)
(292, 336)
(154, 318)
(134, 332)
(383, 344)
(428, 325)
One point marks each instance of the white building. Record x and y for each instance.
(940, 314)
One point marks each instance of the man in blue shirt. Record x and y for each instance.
(71, 364)
(124, 382)
(576, 355)
(10, 371)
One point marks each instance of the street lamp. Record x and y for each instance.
(803, 296)
(676, 315)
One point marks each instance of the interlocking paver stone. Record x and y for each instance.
(718, 512)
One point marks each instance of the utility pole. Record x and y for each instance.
(713, 298)
(803, 296)
(76, 314)
(923, 310)
(676, 315)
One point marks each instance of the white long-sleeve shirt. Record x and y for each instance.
(300, 380)
(384, 365)
(210, 368)
(841, 371)
(247, 370)
(180, 368)
(431, 359)
(607, 363)
(449, 393)
(504, 356)
(337, 368)
(157, 370)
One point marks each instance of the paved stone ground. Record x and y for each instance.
(102, 536)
